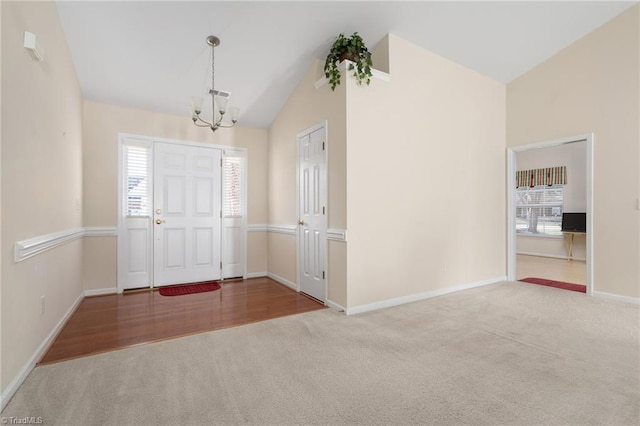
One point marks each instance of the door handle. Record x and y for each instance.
(301, 222)
(159, 221)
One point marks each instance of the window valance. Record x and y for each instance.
(547, 176)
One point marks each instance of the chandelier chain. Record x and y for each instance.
(213, 80)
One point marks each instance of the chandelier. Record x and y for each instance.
(219, 99)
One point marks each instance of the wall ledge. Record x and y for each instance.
(380, 75)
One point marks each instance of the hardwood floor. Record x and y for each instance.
(111, 322)
(574, 271)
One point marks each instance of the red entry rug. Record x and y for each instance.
(179, 290)
(557, 284)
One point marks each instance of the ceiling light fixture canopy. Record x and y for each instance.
(219, 99)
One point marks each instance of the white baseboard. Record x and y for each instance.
(24, 372)
(616, 297)
(553, 256)
(284, 281)
(420, 296)
(335, 306)
(101, 291)
(256, 274)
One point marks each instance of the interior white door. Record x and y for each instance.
(312, 223)
(186, 217)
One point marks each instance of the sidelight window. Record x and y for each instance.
(137, 165)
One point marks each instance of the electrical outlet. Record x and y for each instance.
(42, 305)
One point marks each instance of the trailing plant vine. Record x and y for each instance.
(353, 49)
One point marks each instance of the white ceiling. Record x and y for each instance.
(153, 55)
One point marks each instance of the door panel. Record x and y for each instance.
(203, 243)
(312, 213)
(187, 207)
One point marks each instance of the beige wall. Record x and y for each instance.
(306, 107)
(101, 125)
(425, 178)
(574, 157)
(444, 126)
(41, 180)
(594, 86)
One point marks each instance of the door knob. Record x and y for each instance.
(159, 221)
(301, 222)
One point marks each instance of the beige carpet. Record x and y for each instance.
(510, 354)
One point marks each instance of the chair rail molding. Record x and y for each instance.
(100, 231)
(283, 229)
(33, 246)
(260, 227)
(337, 234)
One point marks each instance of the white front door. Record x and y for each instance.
(312, 219)
(186, 214)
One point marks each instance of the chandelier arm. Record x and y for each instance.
(207, 124)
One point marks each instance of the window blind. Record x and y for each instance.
(137, 169)
(233, 189)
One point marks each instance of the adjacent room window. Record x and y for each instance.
(539, 210)
(137, 167)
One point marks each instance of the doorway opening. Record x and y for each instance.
(537, 243)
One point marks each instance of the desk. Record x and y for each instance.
(571, 235)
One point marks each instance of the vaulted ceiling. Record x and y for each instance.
(153, 55)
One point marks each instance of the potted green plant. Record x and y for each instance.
(353, 49)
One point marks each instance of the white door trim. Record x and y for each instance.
(121, 226)
(511, 197)
(301, 134)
